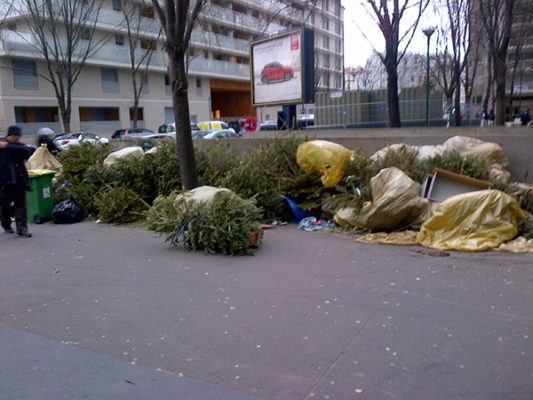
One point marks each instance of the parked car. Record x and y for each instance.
(121, 133)
(221, 134)
(238, 125)
(268, 126)
(274, 71)
(153, 135)
(305, 120)
(171, 127)
(64, 140)
(213, 125)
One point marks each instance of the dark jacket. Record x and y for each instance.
(12, 168)
(47, 140)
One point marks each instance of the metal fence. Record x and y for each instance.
(352, 109)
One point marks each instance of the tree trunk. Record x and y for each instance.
(500, 71)
(457, 94)
(65, 115)
(135, 101)
(180, 101)
(392, 97)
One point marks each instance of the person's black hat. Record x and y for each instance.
(14, 130)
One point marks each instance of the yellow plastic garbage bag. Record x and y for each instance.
(208, 194)
(346, 217)
(518, 245)
(405, 238)
(474, 221)
(325, 158)
(127, 152)
(467, 146)
(396, 202)
(43, 159)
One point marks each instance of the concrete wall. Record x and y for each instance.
(517, 142)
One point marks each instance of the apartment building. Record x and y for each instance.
(219, 70)
(519, 79)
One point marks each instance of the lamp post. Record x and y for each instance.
(428, 32)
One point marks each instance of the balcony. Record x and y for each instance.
(244, 21)
(112, 55)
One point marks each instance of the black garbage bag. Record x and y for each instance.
(67, 211)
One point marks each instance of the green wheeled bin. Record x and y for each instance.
(40, 200)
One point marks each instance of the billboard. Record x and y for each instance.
(279, 68)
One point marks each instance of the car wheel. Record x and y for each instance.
(38, 219)
(265, 80)
(287, 76)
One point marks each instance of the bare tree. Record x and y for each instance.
(518, 40)
(454, 37)
(141, 51)
(178, 18)
(497, 17)
(471, 63)
(63, 33)
(389, 15)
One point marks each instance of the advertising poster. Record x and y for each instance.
(277, 69)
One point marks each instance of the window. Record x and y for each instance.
(117, 5)
(140, 114)
(325, 41)
(325, 22)
(110, 80)
(326, 60)
(144, 79)
(326, 78)
(147, 12)
(338, 81)
(199, 87)
(98, 114)
(325, 5)
(168, 88)
(148, 44)
(25, 75)
(119, 40)
(36, 114)
(338, 27)
(85, 34)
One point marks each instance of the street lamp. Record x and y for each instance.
(428, 32)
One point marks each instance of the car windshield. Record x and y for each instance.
(68, 136)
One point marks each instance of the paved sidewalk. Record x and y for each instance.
(311, 316)
(35, 368)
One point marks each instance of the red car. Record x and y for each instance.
(276, 72)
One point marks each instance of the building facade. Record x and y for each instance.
(218, 65)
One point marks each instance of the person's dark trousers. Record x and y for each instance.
(16, 195)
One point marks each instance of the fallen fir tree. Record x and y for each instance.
(206, 218)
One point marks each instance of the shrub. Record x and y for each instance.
(77, 159)
(214, 163)
(526, 228)
(404, 160)
(475, 167)
(119, 204)
(224, 226)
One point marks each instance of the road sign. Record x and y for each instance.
(250, 125)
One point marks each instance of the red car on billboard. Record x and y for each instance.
(274, 71)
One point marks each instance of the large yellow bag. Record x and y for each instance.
(43, 159)
(474, 221)
(396, 202)
(325, 158)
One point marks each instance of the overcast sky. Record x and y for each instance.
(357, 49)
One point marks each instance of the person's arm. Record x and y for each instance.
(18, 150)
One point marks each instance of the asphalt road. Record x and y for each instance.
(102, 312)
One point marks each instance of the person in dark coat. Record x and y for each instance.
(45, 136)
(525, 117)
(14, 182)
